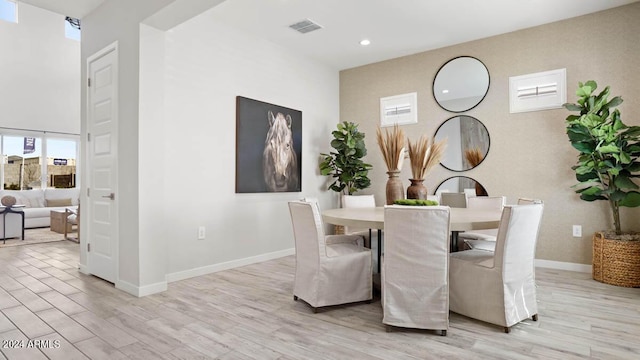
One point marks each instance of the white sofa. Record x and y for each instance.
(39, 203)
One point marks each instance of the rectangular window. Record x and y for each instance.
(61, 163)
(72, 28)
(30, 162)
(22, 167)
(8, 11)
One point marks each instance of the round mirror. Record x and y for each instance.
(467, 142)
(462, 184)
(461, 84)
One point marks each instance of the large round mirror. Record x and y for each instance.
(462, 184)
(467, 142)
(461, 84)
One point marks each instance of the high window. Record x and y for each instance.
(72, 28)
(8, 11)
(30, 161)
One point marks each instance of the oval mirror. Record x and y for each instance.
(467, 142)
(462, 184)
(461, 84)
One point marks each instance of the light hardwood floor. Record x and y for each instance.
(249, 313)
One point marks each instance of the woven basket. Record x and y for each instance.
(616, 262)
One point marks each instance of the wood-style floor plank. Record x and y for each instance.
(249, 313)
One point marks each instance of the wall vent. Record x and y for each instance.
(305, 26)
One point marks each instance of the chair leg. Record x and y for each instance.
(443, 332)
(314, 309)
(534, 317)
(507, 329)
(388, 328)
(295, 298)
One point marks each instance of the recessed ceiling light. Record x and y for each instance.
(365, 42)
(445, 91)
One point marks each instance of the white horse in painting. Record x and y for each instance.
(279, 162)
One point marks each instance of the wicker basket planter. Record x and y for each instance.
(616, 262)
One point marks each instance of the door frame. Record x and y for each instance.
(87, 211)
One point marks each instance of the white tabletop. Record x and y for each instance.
(462, 219)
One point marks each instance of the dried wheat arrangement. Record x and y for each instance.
(392, 147)
(424, 155)
(474, 156)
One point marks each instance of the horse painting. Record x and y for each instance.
(279, 162)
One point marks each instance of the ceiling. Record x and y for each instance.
(395, 28)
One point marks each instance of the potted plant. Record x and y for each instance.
(345, 163)
(609, 159)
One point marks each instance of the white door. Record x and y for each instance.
(102, 119)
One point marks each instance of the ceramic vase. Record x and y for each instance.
(417, 190)
(395, 189)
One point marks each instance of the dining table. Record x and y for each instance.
(461, 219)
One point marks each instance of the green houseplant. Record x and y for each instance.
(608, 162)
(345, 164)
(609, 150)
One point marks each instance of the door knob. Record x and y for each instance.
(111, 196)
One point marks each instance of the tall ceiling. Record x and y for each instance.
(395, 28)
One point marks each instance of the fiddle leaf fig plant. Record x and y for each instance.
(609, 158)
(345, 163)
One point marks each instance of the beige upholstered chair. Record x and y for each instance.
(359, 201)
(483, 203)
(330, 269)
(499, 287)
(485, 239)
(415, 269)
(454, 200)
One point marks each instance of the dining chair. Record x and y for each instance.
(360, 201)
(415, 267)
(330, 269)
(454, 200)
(499, 287)
(485, 239)
(482, 203)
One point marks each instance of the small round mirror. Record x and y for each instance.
(462, 184)
(461, 84)
(467, 142)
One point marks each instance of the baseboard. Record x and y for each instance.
(209, 269)
(559, 265)
(141, 291)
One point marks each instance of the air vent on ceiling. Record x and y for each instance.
(305, 26)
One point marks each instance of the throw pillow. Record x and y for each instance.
(58, 202)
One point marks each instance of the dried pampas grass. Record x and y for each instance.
(392, 147)
(424, 155)
(474, 156)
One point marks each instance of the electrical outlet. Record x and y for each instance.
(577, 231)
(201, 233)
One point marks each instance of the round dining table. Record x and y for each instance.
(461, 219)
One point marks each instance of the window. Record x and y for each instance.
(72, 28)
(31, 162)
(8, 11)
(61, 163)
(22, 166)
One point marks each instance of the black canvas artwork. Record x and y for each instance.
(268, 147)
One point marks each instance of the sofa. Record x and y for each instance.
(38, 204)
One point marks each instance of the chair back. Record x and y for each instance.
(486, 202)
(516, 240)
(454, 200)
(527, 201)
(357, 201)
(308, 232)
(416, 267)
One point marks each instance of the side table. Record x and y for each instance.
(58, 221)
(11, 209)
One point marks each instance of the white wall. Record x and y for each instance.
(40, 77)
(207, 66)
